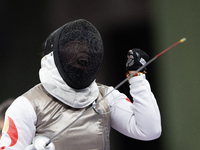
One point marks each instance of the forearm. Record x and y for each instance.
(147, 115)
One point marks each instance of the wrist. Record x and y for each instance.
(135, 74)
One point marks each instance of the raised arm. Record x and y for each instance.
(140, 119)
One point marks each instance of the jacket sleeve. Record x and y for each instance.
(140, 119)
(19, 126)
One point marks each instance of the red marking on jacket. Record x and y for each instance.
(11, 130)
(128, 100)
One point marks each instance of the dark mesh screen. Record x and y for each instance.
(80, 53)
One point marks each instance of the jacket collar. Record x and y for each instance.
(55, 85)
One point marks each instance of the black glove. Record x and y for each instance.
(136, 59)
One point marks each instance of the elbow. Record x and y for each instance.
(149, 134)
(155, 130)
(157, 133)
(154, 134)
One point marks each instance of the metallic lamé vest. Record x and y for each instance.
(90, 132)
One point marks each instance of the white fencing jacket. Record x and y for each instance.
(140, 119)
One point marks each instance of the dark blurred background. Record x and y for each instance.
(124, 24)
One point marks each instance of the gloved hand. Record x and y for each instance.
(39, 144)
(136, 59)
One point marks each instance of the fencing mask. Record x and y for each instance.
(78, 52)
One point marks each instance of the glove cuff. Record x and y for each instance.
(137, 74)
